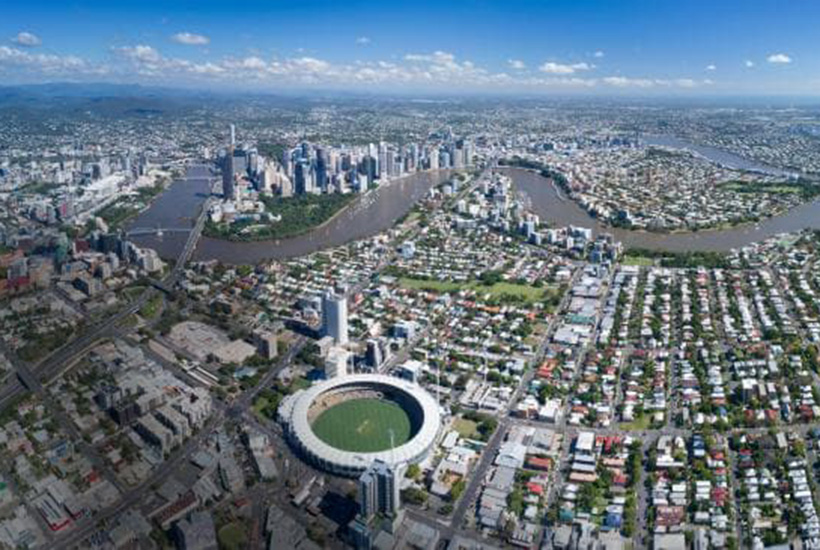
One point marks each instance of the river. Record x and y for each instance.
(542, 197)
(716, 155)
(378, 210)
(366, 216)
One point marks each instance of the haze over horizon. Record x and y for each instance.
(689, 49)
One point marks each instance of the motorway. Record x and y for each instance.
(53, 366)
(34, 378)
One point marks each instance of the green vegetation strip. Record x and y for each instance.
(152, 308)
(803, 187)
(515, 291)
(637, 260)
(296, 215)
(363, 425)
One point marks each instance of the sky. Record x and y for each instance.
(584, 47)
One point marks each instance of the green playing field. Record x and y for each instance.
(363, 425)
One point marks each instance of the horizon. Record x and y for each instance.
(102, 89)
(520, 48)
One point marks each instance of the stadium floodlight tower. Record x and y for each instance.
(392, 445)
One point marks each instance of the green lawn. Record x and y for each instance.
(526, 293)
(639, 424)
(435, 286)
(152, 307)
(466, 428)
(263, 406)
(363, 425)
(637, 260)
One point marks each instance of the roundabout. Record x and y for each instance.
(342, 425)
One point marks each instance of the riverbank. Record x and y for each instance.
(544, 201)
(295, 216)
(807, 190)
(124, 210)
(369, 215)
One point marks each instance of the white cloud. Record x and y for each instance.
(190, 39)
(363, 41)
(46, 64)
(251, 63)
(599, 54)
(711, 67)
(560, 68)
(626, 82)
(140, 53)
(27, 39)
(688, 83)
(207, 69)
(748, 63)
(438, 57)
(439, 70)
(310, 64)
(779, 58)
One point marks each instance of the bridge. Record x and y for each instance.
(34, 377)
(158, 231)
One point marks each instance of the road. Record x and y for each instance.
(35, 377)
(455, 524)
(236, 410)
(53, 366)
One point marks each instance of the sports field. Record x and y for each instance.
(363, 425)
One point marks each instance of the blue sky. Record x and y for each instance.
(606, 47)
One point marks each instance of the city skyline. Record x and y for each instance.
(519, 47)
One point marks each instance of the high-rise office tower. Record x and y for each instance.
(228, 189)
(373, 355)
(227, 175)
(285, 187)
(370, 168)
(301, 174)
(434, 159)
(240, 162)
(321, 170)
(334, 316)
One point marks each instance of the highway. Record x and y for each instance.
(36, 377)
(53, 366)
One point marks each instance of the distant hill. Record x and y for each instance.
(102, 99)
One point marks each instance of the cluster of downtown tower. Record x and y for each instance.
(320, 169)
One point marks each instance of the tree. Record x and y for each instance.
(414, 495)
(457, 489)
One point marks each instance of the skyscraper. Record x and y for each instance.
(373, 355)
(334, 316)
(300, 176)
(227, 175)
(379, 491)
(321, 170)
(228, 190)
